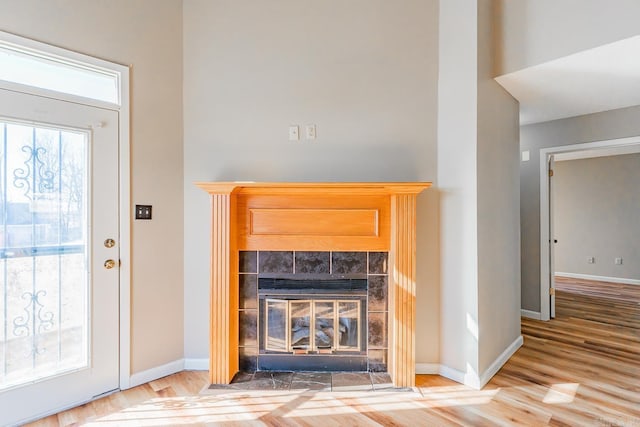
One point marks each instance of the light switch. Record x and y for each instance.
(294, 133)
(525, 156)
(143, 211)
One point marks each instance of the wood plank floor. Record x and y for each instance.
(580, 369)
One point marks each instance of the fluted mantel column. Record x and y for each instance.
(223, 350)
(402, 291)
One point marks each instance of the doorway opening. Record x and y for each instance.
(547, 239)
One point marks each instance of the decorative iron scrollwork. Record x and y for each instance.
(35, 170)
(34, 309)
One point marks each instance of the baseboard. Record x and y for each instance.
(530, 314)
(500, 361)
(157, 372)
(427, 368)
(472, 379)
(599, 278)
(452, 374)
(196, 364)
(421, 368)
(438, 369)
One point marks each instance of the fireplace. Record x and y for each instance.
(313, 311)
(365, 218)
(313, 325)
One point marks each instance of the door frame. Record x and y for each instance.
(545, 237)
(124, 173)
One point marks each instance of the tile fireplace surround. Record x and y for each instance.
(336, 220)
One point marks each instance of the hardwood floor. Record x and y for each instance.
(580, 369)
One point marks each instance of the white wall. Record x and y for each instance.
(363, 71)
(478, 181)
(535, 31)
(147, 36)
(597, 206)
(458, 184)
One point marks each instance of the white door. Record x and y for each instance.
(58, 290)
(552, 242)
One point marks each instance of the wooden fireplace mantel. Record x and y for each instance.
(343, 216)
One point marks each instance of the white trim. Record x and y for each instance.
(36, 417)
(452, 374)
(124, 164)
(599, 278)
(427, 368)
(472, 379)
(544, 207)
(530, 314)
(157, 372)
(500, 361)
(196, 364)
(66, 56)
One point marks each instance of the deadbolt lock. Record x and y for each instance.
(109, 243)
(109, 264)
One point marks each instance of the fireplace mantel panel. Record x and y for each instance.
(313, 222)
(313, 216)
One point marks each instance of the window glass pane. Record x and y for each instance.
(43, 252)
(46, 72)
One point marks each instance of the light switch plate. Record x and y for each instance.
(294, 133)
(143, 211)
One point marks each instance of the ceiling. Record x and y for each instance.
(594, 80)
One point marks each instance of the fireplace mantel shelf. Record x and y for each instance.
(321, 187)
(313, 216)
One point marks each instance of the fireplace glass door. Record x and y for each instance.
(299, 325)
(312, 326)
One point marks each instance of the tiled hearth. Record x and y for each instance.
(317, 381)
(318, 265)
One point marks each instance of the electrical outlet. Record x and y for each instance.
(310, 130)
(618, 261)
(143, 211)
(591, 260)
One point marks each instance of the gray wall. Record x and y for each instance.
(147, 36)
(363, 71)
(498, 211)
(597, 211)
(592, 127)
(535, 31)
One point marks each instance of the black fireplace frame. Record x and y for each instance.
(313, 288)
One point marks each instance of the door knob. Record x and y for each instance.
(109, 243)
(109, 264)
